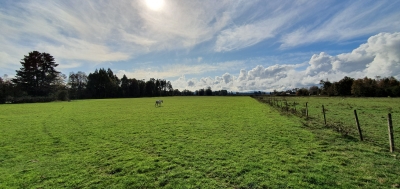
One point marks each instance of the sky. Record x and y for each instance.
(234, 45)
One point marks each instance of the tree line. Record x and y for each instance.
(38, 81)
(363, 87)
(104, 83)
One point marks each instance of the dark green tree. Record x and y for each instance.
(176, 92)
(125, 86)
(103, 84)
(327, 87)
(364, 87)
(38, 74)
(170, 88)
(135, 88)
(201, 92)
(77, 83)
(151, 87)
(208, 91)
(2, 91)
(314, 90)
(302, 92)
(112, 85)
(142, 87)
(343, 87)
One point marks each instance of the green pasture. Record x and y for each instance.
(188, 142)
(339, 113)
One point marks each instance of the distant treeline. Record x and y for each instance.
(38, 81)
(366, 87)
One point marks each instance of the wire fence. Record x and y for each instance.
(365, 119)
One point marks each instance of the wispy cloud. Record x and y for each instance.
(177, 70)
(277, 17)
(353, 19)
(219, 37)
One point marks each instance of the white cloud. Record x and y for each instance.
(379, 56)
(84, 34)
(177, 70)
(75, 49)
(244, 35)
(356, 19)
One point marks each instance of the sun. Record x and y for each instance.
(155, 4)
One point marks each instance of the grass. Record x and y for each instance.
(189, 142)
(372, 114)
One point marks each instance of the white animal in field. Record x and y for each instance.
(158, 103)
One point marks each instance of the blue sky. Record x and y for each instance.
(234, 45)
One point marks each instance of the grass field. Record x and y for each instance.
(189, 142)
(372, 114)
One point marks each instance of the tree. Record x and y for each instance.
(2, 92)
(151, 87)
(343, 87)
(37, 74)
(201, 92)
(171, 90)
(103, 84)
(208, 91)
(77, 83)
(112, 84)
(125, 86)
(135, 88)
(302, 92)
(176, 92)
(327, 87)
(142, 87)
(186, 92)
(313, 90)
(364, 87)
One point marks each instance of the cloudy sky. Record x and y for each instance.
(238, 45)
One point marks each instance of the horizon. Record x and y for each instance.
(226, 45)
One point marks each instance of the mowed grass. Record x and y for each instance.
(189, 142)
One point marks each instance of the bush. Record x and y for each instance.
(30, 99)
(62, 95)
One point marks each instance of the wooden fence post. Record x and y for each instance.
(306, 110)
(358, 125)
(390, 128)
(323, 111)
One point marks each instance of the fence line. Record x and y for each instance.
(290, 108)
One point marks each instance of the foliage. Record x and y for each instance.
(103, 84)
(366, 87)
(302, 92)
(314, 90)
(31, 99)
(77, 83)
(2, 92)
(37, 74)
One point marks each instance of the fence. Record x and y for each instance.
(369, 119)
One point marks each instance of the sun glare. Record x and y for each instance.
(155, 4)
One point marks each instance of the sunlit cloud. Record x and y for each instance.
(355, 19)
(198, 43)
(155, 4)
(177, 70)
(377, 57)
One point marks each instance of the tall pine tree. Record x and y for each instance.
(37, 75)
